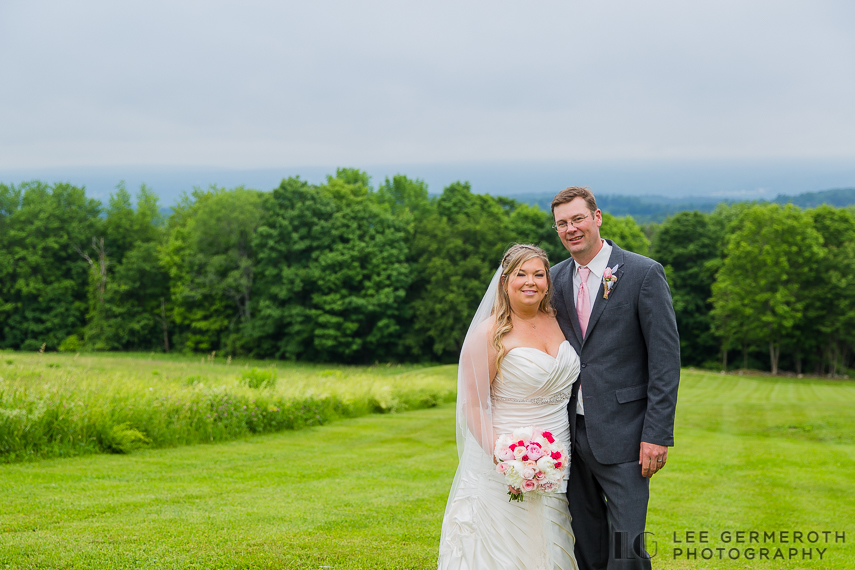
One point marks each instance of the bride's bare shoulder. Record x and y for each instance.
(487, 327)
(482, 334)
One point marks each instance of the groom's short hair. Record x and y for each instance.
(573, 192)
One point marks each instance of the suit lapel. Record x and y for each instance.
(570, 301)
(615, 258)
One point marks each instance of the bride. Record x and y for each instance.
(516, 369)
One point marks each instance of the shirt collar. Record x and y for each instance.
(600, 262)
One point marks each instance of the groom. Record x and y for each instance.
(615, 309)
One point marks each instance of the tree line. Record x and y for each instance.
(346, 272)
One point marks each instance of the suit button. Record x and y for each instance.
(584, 364)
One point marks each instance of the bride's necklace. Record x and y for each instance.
(528, 321)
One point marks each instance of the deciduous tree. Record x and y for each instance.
(686, 245)
(208, 255)
(333, 272)
(760, 289)
(46, 295)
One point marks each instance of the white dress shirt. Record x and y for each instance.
(595, 278)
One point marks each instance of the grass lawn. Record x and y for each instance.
(242, 504)
(758, 453)
(753, 453)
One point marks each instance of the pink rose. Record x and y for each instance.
(502, 468)
(607, 274)
(528, 473)
(534, 453)
(540, 475)
(528, 485)
(506, 455)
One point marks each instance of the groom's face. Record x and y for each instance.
(582, 235)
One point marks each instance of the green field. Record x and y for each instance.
(60, 405)
(753, 453)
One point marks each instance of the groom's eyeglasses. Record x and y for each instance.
(563, 225)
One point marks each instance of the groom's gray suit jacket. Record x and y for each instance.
(630, 357)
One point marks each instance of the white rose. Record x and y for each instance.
(523, 433)
(545, 463)
(502, 442)
(554, 475)
(513, 477)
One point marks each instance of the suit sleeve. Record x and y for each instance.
(659, 327)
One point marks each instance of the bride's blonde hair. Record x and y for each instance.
(514, 258)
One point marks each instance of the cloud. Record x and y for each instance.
(256, 84)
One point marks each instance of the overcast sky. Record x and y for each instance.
(256, 84)
(266, 84)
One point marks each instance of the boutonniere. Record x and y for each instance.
(609, 280)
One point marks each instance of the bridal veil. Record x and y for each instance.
(474, 407)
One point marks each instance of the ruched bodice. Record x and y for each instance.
(481, 529)
(533, 389)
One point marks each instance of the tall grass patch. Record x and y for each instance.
(54, 405)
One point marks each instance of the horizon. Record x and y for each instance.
(708, 180)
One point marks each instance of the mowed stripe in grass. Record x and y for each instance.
(758, 453)
(363, 493)
(753, 453)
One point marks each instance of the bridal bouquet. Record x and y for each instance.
(532, 461)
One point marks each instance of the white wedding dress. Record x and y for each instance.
(482, 530)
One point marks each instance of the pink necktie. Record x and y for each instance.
(583, 303)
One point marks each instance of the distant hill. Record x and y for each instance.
(840, 198)
(645, 209)
(656, 208)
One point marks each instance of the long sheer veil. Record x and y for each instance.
(474, 408)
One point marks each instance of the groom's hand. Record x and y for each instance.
(652, 458)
